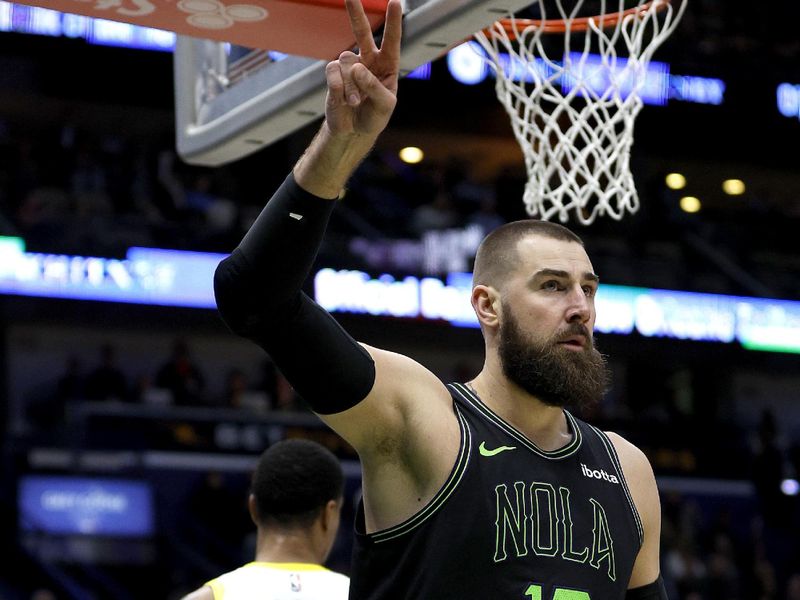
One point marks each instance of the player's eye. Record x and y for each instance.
(551, 285)
(589, 291)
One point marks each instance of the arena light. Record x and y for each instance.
(466, 63)
(789, 100)
(411, 155)
(733, 187)
(690, 204)
(675, 181)
(421, 72)
(790, 487)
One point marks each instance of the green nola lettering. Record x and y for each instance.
(535, 517)
(535, 593)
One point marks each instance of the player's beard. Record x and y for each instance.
(551, 373)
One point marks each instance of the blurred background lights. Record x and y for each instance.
(411, 155)
(790, 487)
(675, 181)
(690, 204)
(733, 187)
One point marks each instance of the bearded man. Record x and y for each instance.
(484, 490)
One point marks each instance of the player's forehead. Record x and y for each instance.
(545, 254)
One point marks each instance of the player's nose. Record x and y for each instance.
(579, 307)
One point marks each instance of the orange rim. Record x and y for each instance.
(511, 26)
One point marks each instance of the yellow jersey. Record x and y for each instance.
(280, 581)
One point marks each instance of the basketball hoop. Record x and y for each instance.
(573, 97)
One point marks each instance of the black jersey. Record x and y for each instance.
(512, 522)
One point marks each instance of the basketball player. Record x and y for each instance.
(295, 503)
(484, 490)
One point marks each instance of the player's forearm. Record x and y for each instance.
(330, 160)
(258, 293)
(278, 251)
(280, 247)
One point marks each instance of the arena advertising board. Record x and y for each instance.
(162, 277)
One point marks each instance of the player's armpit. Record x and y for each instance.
(652, 591)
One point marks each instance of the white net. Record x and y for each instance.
(573, 113)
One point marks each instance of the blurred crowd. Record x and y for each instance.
(71, 192)
(178, 382)
(733, 32)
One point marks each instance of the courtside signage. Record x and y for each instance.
(64, 505)
(755, 323)
(145, 276)
(161, 277)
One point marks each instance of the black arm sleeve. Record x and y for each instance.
(651, 591)
(258, 293)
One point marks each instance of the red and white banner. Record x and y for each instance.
(314, 28)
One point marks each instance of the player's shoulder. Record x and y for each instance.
(635, 463)
(641, 481)
(400, 375)
(336, 576)
(337, 585)
(203, 593)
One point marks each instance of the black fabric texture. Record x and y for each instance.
(258, 294)
(283, 242)
(652, 591)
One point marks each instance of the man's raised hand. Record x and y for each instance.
(362, 88)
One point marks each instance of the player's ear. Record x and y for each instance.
(252, 508)
(329, 514)
(486, 303)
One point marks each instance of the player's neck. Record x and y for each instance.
(545, 425)
(285, 547)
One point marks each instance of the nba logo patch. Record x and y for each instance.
(295, 583)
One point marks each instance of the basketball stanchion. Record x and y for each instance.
(571, 85)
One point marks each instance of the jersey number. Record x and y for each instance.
(535, 592)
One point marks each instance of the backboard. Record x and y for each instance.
(231, 101)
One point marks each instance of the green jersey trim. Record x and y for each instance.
(456, 474)
(472, 398)
(612, 453)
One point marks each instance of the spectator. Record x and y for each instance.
(768, 472)
(46, 412)
(286, 398)
(793, 587)
(181, 376)
(486, 216)
(239, 395)
(106, 382)
(70, 386)
(439, 214)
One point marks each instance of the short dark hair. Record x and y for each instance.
(496, 256)
(293, 481)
